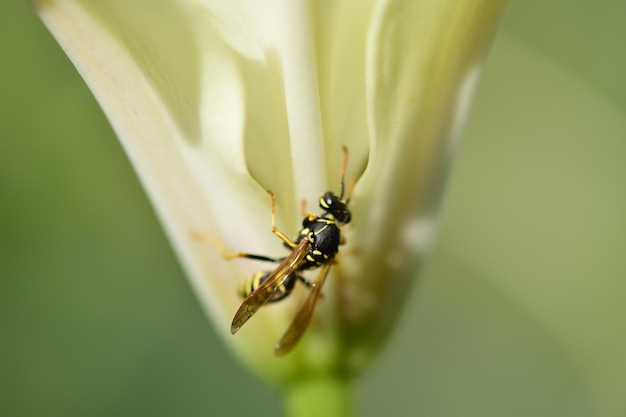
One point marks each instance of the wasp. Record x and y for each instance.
(315, 246)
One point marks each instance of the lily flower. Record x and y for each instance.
(216, 102)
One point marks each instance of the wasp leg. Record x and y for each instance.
(231, 255)
(309, 285)
(307, 214)
(275, 230)
(305, 281)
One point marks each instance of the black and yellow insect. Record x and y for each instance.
(316, 245)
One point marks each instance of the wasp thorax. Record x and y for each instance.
(335, 206)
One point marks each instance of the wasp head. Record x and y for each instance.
(335, 206)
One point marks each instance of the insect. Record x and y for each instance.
(315, 246)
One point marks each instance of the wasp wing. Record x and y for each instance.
(272, 283)
(303, 316)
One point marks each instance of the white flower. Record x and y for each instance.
(217, 101)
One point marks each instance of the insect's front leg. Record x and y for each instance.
(275, 230)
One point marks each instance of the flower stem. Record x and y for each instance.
(325, 395)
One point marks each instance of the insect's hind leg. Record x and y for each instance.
(310, 285)
(231, 255)
(305, 281)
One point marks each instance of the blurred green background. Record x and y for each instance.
(520, 311)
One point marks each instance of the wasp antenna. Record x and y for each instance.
(351, 189)
(344, 168)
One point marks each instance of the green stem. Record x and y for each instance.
(327, 395)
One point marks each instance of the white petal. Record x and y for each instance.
(421, 64)
(177, 105)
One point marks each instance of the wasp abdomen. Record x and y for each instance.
(248, 286)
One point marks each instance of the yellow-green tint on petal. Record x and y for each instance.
(421, 62)
(341, 34)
